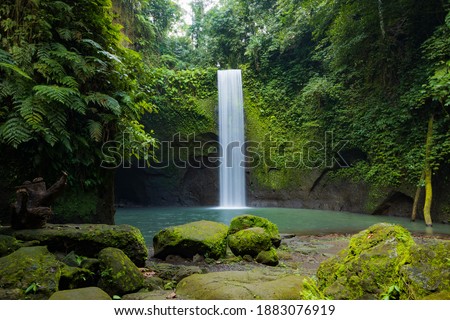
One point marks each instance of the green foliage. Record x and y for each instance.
(67, 86)
(32, 288)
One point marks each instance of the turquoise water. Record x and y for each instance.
(296, 221)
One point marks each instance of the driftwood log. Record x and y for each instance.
(33, 199)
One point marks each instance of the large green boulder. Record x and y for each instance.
(88, 240)
(29, 273)
(90, 293)
(249, 221)
(240, 285)
(369, 268)
(249, 242)
(205, 238)
(119, 275)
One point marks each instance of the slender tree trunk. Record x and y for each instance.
(105, 210)
(428, 175)
(417, 197)
(380, 14)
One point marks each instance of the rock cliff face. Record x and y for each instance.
(200, 187)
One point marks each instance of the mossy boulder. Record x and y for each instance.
(429, 270)
(206, 238)
(8, 245)
(240, 285)
(249, 221)
(74, 277)
(269, 258)
(154, 283)
(250, 242)
(88, 240)
(29, 273)
(90, 293)
(369, 267)
(119, 275)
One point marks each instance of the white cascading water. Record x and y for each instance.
(231, 138)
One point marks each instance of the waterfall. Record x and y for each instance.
(231, 139)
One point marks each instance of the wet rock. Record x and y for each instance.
(249, 221)
(250, 242)
(174, 272)
(31, 273)
(240, 285)
(90, 293)
(205, 238)
(119, 275)
(88, 240)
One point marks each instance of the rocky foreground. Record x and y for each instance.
(207, 260)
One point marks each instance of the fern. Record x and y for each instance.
(69, 81)
(15, 131)
(14, 68)
(56, 93)
(105, 101)
(7, 88)
(7, 63)
(95, 130)
(32, 112)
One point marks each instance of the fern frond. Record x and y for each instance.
(57, 119)
(92, 43)
(32, 112)
(70, 82)
(79, 105)
(50, 137)
(65, 34)
(56, 93)
(110, 56)
(7, 88)
(95, 130)
(5, 65)
(14, 132)
(105, 101)
(49, 68)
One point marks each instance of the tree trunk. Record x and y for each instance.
(380, 14)
(428, 175)
(105, 210)
(417, 197)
